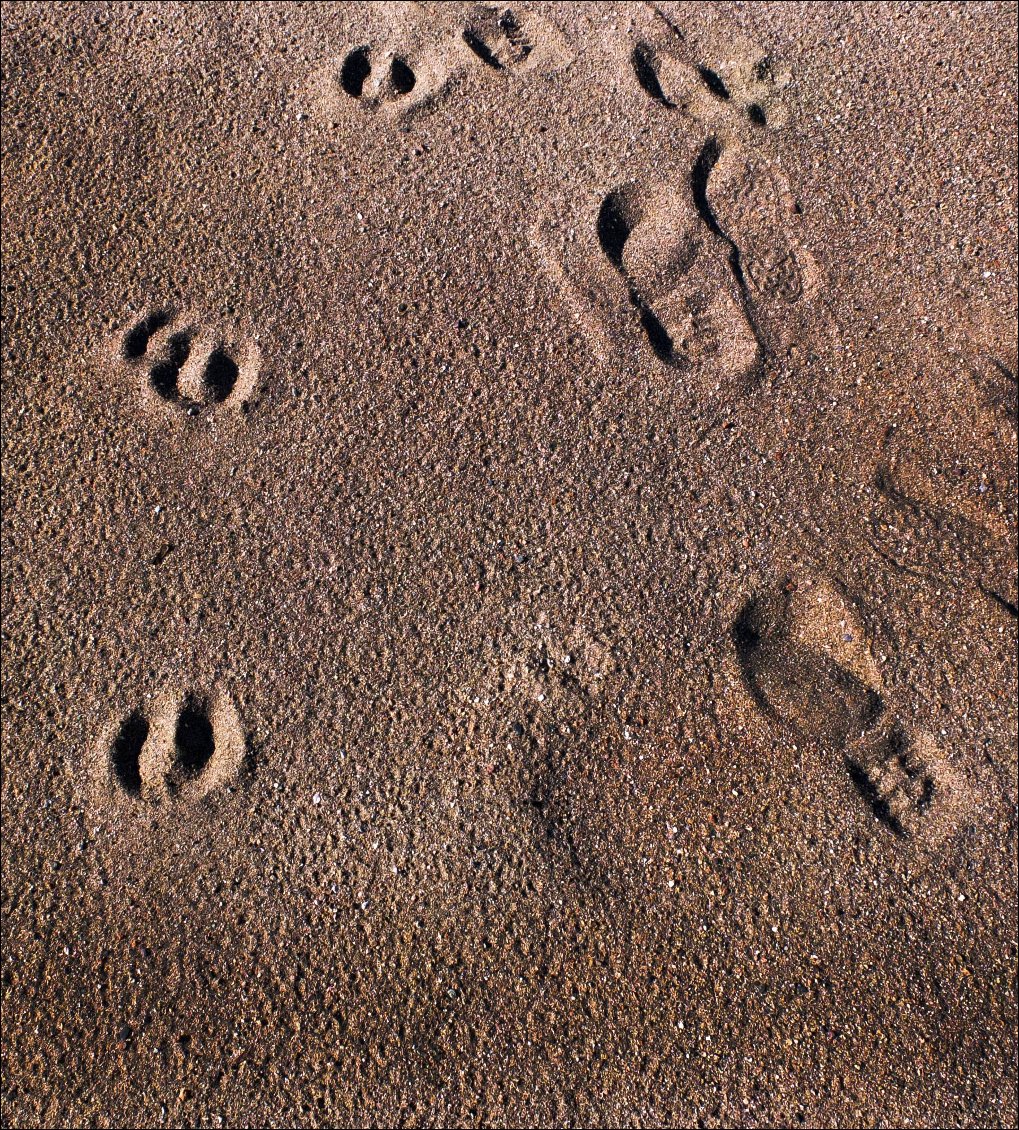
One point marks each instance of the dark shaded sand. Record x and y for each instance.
(509, 564)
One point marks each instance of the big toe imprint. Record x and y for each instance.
(807, 664)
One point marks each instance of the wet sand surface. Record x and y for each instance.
(509, 564)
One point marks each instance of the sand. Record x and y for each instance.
(509, 564)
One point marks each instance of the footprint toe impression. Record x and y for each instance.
(806, 664)
(192, 744)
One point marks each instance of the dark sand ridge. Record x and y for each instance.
(509, 564)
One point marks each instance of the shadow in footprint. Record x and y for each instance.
(136, 340)
(164, 374)
(355, 71)
(194, 741)
(646, 70)
(796, 648)
(125, 753)
(617, 218)
(797, 685)
(221, 373)
(391, 79)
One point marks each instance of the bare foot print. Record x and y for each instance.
(807, 664)
(188, 366)
(191, 744)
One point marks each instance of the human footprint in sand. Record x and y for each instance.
(679, 281)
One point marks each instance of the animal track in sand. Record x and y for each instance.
(190, 745)
(806, 664)
(376, 78)
(416, 61)
(742, 92)
(188, 367)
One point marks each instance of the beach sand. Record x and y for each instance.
(509, 564)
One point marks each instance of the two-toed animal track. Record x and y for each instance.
(414, 63)
(188, 365)
(191, 743)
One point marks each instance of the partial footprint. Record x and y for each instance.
(807, 664)
(749, 201)
(191, 744)
(741, 92)
(188, 366)
(513, 39)
(947, 489)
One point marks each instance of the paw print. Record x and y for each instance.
(191, 744)
(188, 366)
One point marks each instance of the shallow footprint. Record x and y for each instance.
(946, 483)
(750, 201)
(513, 39)
(497, 37)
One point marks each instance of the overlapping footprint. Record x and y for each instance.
(677, 277)
(739, 189)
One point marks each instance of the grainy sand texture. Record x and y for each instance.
(509, 564)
